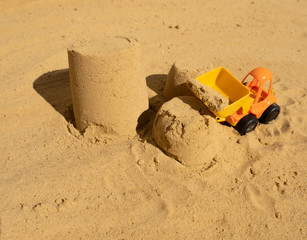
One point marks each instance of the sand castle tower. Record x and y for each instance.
(107, 84)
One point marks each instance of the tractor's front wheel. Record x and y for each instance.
(246, 124)
(270, 113)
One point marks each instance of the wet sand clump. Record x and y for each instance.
(185, 130)
(215, 101)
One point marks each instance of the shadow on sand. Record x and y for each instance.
(54, 87)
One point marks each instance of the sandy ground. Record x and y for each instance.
(55, 184)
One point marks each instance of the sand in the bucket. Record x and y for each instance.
(185, 130)
(108, 86)
(215, 101)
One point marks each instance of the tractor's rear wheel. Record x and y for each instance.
(270, 113)
(246, 124)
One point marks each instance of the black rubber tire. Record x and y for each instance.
(270, 114)
(246, 124)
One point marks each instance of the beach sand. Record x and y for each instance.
(56, 183)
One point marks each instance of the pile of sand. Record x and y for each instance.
(185, 130)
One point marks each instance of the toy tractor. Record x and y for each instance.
(249, 102)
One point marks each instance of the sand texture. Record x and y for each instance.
(58, 183)
(215, 101)
(108, 86)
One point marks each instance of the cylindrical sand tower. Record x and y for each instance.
(107, 84)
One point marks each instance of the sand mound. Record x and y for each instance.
(185, 130)
(215, 101)
(177, 78)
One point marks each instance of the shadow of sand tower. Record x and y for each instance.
(54, 87)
